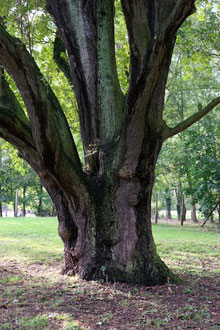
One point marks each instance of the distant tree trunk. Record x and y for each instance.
(24, 200)
(16, 204)
(212, 217)
(168, 205)
(39, 208)
(156, 208)
(183, 211)
(193, 211)
(178, 203)
(0, 209)
(219, 209)
(53, 213)
(178, 209)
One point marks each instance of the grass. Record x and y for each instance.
(33, 294)
(30, 239)
(36, 240)
(188, 246)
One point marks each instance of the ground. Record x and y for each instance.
(34, 295)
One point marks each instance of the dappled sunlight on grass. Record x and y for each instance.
(43, 321)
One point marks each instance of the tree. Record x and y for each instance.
(182, 159)
(203, 173)
(103, 207)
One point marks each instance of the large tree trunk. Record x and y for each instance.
(107, 230)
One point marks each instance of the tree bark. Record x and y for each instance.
(107, 233)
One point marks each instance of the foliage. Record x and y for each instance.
(15, 174)
(189, 162)
(192, 159)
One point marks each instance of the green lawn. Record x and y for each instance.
(34, 295)
(37, 240)
(189, 247)
(30, 239)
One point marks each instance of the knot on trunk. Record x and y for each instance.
(134, 200)
(126, 173)
(67, 232)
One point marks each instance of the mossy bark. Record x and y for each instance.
(113, 241)
(107, 235)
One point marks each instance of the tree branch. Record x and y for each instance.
(79, 36)
(15, 131)
(89, 40)
(58, 55)
(168, 131)
(172, 14)
(15, 127)
(49, 127)
(148, 24)
(136, 15)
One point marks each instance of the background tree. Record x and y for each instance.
(104, 205)
(195, 57)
